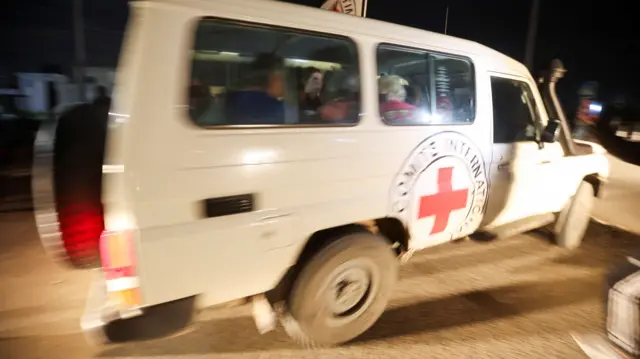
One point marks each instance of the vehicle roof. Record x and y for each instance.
(285, 14)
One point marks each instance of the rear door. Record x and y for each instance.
(521, 170)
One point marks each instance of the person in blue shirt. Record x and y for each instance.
(258, 102)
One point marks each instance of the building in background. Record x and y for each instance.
(43, 92)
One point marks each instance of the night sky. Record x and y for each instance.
(595, 39)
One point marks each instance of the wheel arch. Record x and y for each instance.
(595, 181)
(389, 228)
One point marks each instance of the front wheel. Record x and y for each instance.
(574, 219)
(342, 290)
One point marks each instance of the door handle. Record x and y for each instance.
(226, 206)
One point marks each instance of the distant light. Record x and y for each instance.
(595, 108)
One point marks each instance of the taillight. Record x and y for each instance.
(117, 254)
(80, 228)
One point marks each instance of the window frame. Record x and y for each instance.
(257, 25)
(536, 116)
(411, 49)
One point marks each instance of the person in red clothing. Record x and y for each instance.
(393, 105)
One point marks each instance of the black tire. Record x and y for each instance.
(573, 221)
(310, 319)
(77, 169)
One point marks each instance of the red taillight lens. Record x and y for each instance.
(80, 227)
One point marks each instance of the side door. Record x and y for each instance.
(522, 169)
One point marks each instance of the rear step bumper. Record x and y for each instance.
(97, 314)
(99, 311)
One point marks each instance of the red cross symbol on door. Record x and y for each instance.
(443, 202)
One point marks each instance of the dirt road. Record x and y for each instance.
(519, 297)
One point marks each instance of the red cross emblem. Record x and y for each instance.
(445, 201)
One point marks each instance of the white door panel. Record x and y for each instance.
(514, 183)
(527, 178)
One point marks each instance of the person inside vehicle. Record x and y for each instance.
(340, 94)
(393, 95)
(414, 95)
(310, 97)
(258, 102)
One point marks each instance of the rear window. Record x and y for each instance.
(250, 75)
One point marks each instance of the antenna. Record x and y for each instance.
(446, 20)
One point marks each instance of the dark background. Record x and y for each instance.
(595, 39)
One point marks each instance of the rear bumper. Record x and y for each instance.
(99, 311)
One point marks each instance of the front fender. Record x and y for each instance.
(596, 165)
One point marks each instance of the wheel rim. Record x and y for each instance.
(350, 290)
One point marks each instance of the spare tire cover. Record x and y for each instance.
(67, 184)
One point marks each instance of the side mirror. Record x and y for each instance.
(551, 133)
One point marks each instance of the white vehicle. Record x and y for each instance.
(225, 177)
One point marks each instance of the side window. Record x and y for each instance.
(244, 74)
(417, 87)
(515, 115)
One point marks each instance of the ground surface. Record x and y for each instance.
(512, 298)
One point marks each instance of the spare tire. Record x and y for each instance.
(67, 184)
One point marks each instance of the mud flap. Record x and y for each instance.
(97, 313)
(263, 314)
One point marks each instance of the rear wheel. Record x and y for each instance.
(573, 221)
(342, 291)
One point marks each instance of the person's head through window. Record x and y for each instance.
(266, 73)
(393, 97)
(340, 97)
(313, 84)
(311, 87)
(392, 88)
